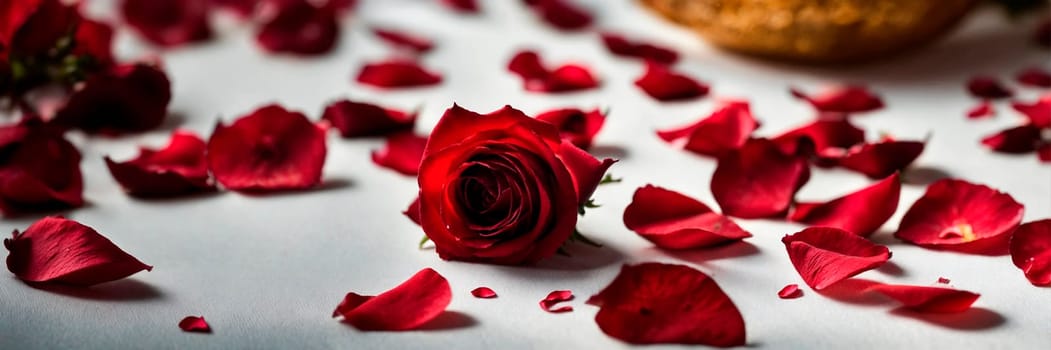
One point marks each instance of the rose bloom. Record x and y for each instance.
(501, 188)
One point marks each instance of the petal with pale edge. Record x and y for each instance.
(673, 221)
(1031, 251)
(63, 251)
(826, 255)
(961, 216)
(861, 212)
(758, 180)
(411, 304)
(932, 299)
(483, 293)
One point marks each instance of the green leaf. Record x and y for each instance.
(577, 236)
(423, 241)
(608, 179)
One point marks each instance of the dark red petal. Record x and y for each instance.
(125, 98)
(299, 27)
(1031, 251)
(168, 22)
(1044, 152)
(397, 74)
(466, 6)
(561, 14)
(537, 78)
(411, 304)
(620, 46)
(402, 153)
(861, 212)
(988, 88)
(178, 168)
(586, 170)
(961, 216)
(1039, 112)
(576, 126)
(981, 111)
(725, 130)
(483, 293)
(757, 180)
(406, 40)
(359, 119)
(270, 149)
(1019, 139)
(790, 291)
(1035, 77)
(58, 250)
(527, 65)
(413, 211)
(842, 99)
(655, 303)
(828, 137)
(39, 170)
(663, 84)
(95, 39)
(673, 221)
(928, 299)
(195, 324)
(243, 8)
(825, 255)
(881, 159)
(555, 297)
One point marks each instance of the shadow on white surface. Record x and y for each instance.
(449, 320)
(892, 269)
(973, 319)
(118, 291)
(853, 291)
(924, 175)
(727, 251)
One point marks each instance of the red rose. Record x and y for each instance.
(502, 188)
(125, 98)
(33, 27)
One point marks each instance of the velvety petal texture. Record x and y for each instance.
(619, 45)
(842, 99)
(63, 251)
(861, 212)
(397, 73)
(655, 303)
(663, 84)
(758, 180)
(168, 22)
(195, 324)
(360, 119)
(538, 78)
(125, 98)
(881, 159)
(178, 168)
(1031, 251)
(576, 126)
(411, 304)
(825, 255)
(725, 130)
(673, 221)
(39, 170)
(961, 216)
(402, 153)
(924, 299)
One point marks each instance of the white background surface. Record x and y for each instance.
(266, 271)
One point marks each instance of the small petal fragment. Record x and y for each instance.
(758, 180)
(861, 212)
(555, 297)
(961, 216)
(673, 221)
(483, 293)
(664, 85)
(1031, 251)
(411, 304)
(402, 153)
(63, 251)
(928, 299)
(397, 74)
(359, 119)
(842, 99)
(790, 291)
(195, 324)
(725, 130)
(982, 110)
(406, 40)
(825, 255)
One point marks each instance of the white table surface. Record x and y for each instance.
(266, 271)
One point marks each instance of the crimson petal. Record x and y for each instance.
(586, 170)
(574, 125)
(982, 110)
(195, 324)
(1038, 112)
(928, 299)
(673, 221)
(1035, 77)
(359, 119)
(39, 170)
(1019, 139)
(63, 251)
(961, 216)
(655, 303)
(790, 291)
(483, 293)
(178, 168)
(168, 22)
(881, 159)
(124, 98)
(397, 73)
(537, 78)
(826, 255)
(828, 137)
(299, 27)
(413, 211)
(663, 84)
(621, 46)
(402, 153)
(561, 14)
(842, 99)
(725, 130)
(409, 41)
(411, 304)
(861, 212)
(95, 39)
(1031, 251)
(758, 180)
(555, 297)
(988, 88)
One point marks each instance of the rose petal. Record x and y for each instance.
(619, 45)
(1035, 77)
(397, 73)
(1038, 112)
(168, 22)
(981, 111)
(483, 293)
(125, 98)
(828, 138)
(270, 149)
(555, 297)
(402, 153)
(405, 40)
(961, 216)
(39, 170)
(242, 8)
(928, 299)
(655, 303)
(58, 250)
(673, 221)
(32, 28)
(861, 212)
(576, 126)
(842, 99)
(195, 324)
(586, 170)
(1020, 139)
(298, 27)
(178, 168)
(826, 255)
(881, 159)
(465, 6)
(988, 88)
(1044, 152)
(725, 130)
(411, 304)
(790, 291)
(663, 84)
(359, 119)
(537, 78)
(1031, 251)
(95, 39)
(561, 14)
(757, 180)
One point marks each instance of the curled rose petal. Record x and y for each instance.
(826, 255)
(725, 130)
(586, 170)
(1031, 251)
(663, 84)
(411, 304)
(561, 14)
(861, 212)
(1038, 112)
(178, 168)
(881, 159)
(39, 170)
(555, 297)
(1019, 139)
(982, 110)
(465, 6)
(576, 126)
(655, 303)
(270, 149)
(168, 22)
(790, 291)
(125, 98)
(483, 293)
(620, 46)
(402, 153)
(988, 88)
(960, 216)
(1035, 77)
(928, 299)
(673, 221)
(359, 119)
(195, 324)
(58, 250)
(406, 40)
(827, 137)
(537, 78)
(842, 99)
(397, 73)
(758, 180)
(298, 27)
